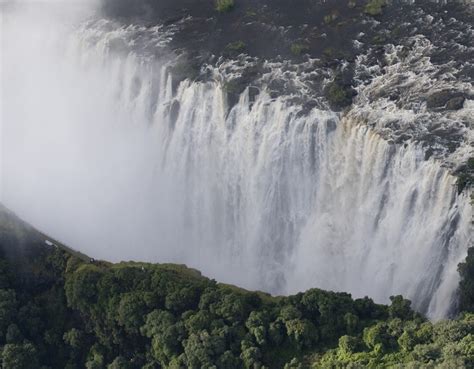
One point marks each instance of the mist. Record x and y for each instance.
(70, 167)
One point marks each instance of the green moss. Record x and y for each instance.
(236, 46)
(379, 39)
(330, 18)
(224, 6)
(250, 13)
(299, 49)
(374, 7)
(332, 53)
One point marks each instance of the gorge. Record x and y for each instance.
(110, 152)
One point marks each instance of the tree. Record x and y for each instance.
(81, 287)
(198, 321)
(20, 356)
(302, 333)
(5, 274)
(14, 334)
(166, 335)
(186, 298)
(251, 357)
(377, 335)
(131, 310)
(120, 363)
(400, 308)
(202, 349)
(95, 358)
(8, 306)
(289, 312)
(257, 326)
(348, 345)
(74, 338)
(407, 341)
(229, 361)
(352, 323)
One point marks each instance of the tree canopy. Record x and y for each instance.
(59, 310)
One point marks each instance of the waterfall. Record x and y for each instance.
(104, 152)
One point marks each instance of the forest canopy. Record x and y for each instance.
(59, 310)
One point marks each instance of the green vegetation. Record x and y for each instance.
(379, 39)
(251, 12)
(299, 49)
(331, 18)
(466, 287)
(338, 95)
(236, 46)
(224, 6)
(409, 344)
(374, 7)
(59, 311)
(330, 53)
(464, 180)
(465, 176)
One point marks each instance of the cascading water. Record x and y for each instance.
(126, 165)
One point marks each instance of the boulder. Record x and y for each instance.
(455, 103)
(448, 99)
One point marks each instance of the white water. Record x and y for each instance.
(102, 154)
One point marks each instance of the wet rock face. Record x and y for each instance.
(447, 99)
(455, 103)
(333, 32)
